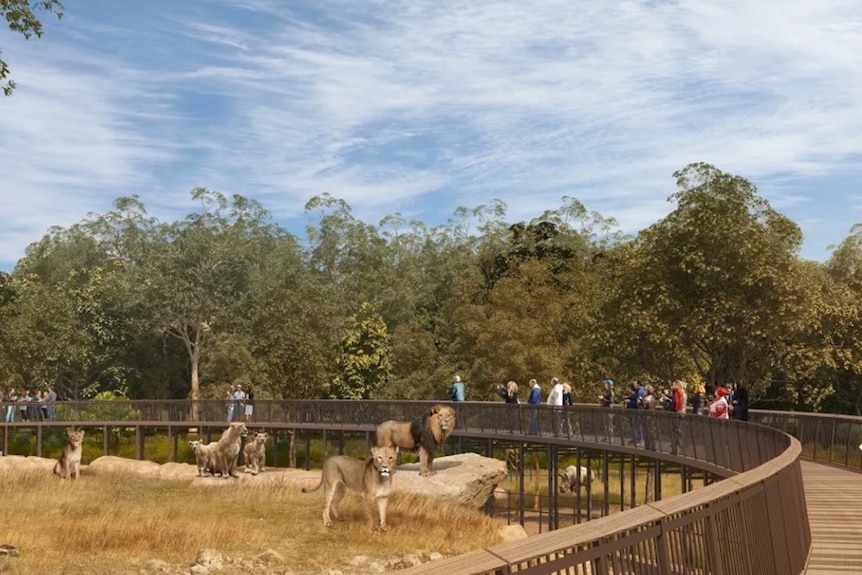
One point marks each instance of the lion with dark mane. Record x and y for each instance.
(427, 433)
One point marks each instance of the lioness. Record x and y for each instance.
(68, 467)
(227, 449)
(371, 478)
(428, 433)
(255, 453)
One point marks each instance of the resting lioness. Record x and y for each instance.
(68, 467)
(255, 453)
(371, 478)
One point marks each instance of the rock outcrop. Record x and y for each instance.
(466, 479)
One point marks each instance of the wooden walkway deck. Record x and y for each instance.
(834, 499)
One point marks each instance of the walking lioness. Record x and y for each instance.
(68, 467)
(371, 478)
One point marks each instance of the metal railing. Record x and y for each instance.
(752, 522)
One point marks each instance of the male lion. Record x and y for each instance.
(371, 478)
(68, 467)
(227, 449)
(427, 433)
(255, 453)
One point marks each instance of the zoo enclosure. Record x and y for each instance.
(758, 510)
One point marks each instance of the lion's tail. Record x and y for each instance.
(313, 489)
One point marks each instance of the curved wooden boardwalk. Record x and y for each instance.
(834, 500)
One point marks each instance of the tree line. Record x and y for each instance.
(715, 292)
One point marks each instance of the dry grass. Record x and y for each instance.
(101, 525)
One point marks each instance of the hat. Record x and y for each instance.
(721, 392)
(457, 378)
(609, 382)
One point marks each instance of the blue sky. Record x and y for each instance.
(420, 107)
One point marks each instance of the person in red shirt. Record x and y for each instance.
(719, 407)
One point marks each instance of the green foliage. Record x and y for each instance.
(365, 364)
(21, 18)
(713, 292)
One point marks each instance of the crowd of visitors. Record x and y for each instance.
(28, 405)
(729, 401)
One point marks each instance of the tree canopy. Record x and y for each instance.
(713, 292)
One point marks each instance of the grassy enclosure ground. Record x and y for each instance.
(99, 525)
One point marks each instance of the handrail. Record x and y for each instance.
(753, 522)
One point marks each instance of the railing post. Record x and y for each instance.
(39, 440)
(661, 544)
(606, 496)
(106, 440)
(139, 443)
(714, 551)
(521, 483)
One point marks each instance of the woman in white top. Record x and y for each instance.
(555, 399)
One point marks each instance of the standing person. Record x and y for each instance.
(740, 403)
(52, 403)
(568, 398)
(456, 391)
(239, 401)
(535, 399)
(719, 406)
(510, 395)
(633, 401)
(647, 430)
(555, 401)
(568, 401)
(10, 409)
(249, 404)
(678, 397)
(606, 400)
(699, 399)
(230, 401)
(24, 405)
(35, 412)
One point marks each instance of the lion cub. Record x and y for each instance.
(202, 456)
(68, 467)
(371, 478)
(255, 453)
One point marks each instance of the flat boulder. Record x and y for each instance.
(26, 463)
(466, 479)
(112, 465)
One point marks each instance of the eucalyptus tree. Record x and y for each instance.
(20, 16)
(717, 278)
(842, 325)
(66, 323)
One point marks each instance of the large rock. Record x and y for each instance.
(466, 479)
(112, 465)
(26, 463)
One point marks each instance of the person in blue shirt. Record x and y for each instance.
(456, 392)
(535, 399)
(635, 401)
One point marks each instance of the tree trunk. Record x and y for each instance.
(196, 390)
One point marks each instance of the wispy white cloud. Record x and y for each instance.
(423, 106)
